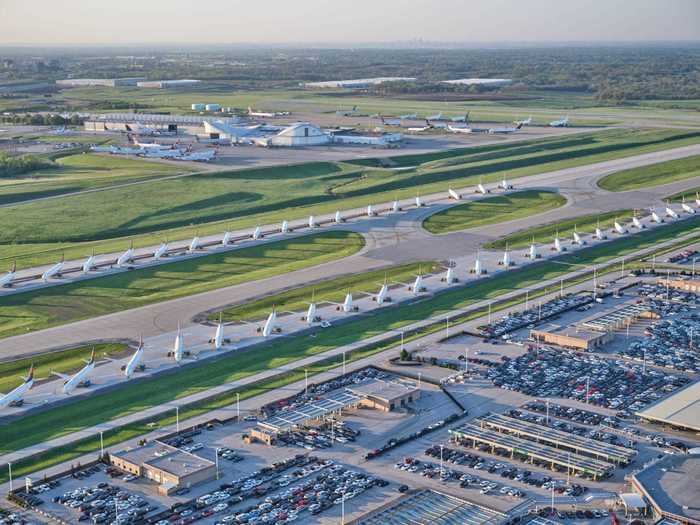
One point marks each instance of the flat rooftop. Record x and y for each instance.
(671, 484)
(569, 331)
(681, 409)
(383, 390)
(180, 463)
(436, 508)
(165, 457)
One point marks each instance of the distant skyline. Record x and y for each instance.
(65, 22)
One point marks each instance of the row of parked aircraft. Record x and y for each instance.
(155, 150)
(451, 125)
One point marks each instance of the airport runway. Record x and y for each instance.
(392, 238)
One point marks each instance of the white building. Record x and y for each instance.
(358, 83)
(488, 82)
(164, 84)
(300, 134)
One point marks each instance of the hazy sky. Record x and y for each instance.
(343, 21)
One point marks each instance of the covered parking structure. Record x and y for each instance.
(620, 318)
(533, 451)
(315, 410)
(559, 439)
(436, 508)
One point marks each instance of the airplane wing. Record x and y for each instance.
(62, 376)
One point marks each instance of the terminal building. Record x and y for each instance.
(169, 467)
(358, 83)
(680, 410)
(671, 487)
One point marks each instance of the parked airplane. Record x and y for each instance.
(16, 395)
(420, 129)
(267, 114)
(150, 145)
(345, 113)
(202, 156)
(458, 129)
(55, 270)
(79, 378)
(135, 360)
(390, 121)
(464, 119)
(495, 131)
(434, 117)
(6, 280)
(561, 123)
(525, 122)
(436, 125)
(410, 116)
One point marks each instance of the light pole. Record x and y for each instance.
(217, 449)
(489, 313)
(9, 470)
(401, 339)
(177, 420)
(102, 446)
(466, 362)
(238, 407)
(622, 272)
(441, 470)
(547, 417)
(527, 299)
(694, 259)
(447, 326)
(588, 385)
(419, 380)
(306, 381)
(344, 353)
(342, 509)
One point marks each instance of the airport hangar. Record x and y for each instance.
(170, 467)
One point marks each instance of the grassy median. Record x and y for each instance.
(491, 210)
(652, 175)
(45, 307)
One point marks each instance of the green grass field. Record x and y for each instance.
(81, 172)
(38, 309)
(63, 361)
(652, 175)
(491, 210)
(546, 232)
(330, 290)
(209, 203)
(138, 396)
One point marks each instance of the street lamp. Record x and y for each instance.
(441, 470)
(306, 381)
(216, 459)
(177, 419)
(344, 353)
(9, 469)
(102, 446)
(238, 407)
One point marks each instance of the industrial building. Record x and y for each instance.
(169, 467)
(101, 82)
(487, 82)
(126, 122)
(385, 395)
(167, 84)
(620, 318)
(358, 83)
(671, 487)
(572, 338)
(366, 139)
(680, 410)
(299, 134)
